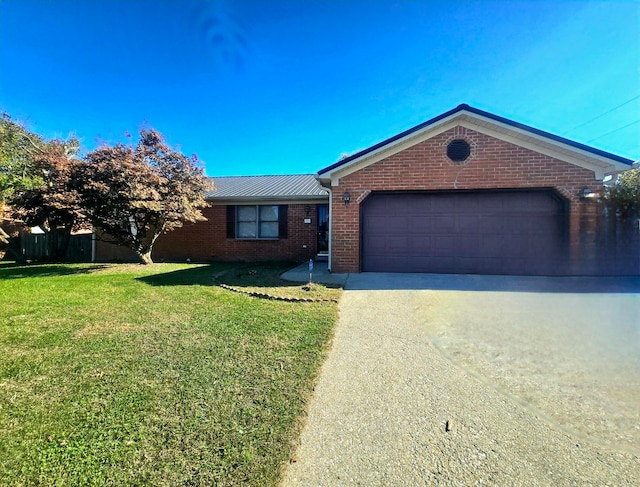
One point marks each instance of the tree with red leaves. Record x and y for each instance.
(134, 194)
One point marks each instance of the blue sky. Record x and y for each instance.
(284, 87)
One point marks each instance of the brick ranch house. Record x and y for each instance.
(465, 192)
(251, 218)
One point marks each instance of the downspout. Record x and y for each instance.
(330, 229)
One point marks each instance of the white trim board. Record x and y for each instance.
(600, 165)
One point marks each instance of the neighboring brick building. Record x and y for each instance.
(251, 218)
(465, 192)
(470, 192)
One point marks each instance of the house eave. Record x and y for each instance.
(270, 200)
(600, 162)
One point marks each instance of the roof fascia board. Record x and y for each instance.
(524, 138)
(269, 201)
(600, 165)
(549, 136)
(387, 150)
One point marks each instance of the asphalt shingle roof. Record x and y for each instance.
(297, 186)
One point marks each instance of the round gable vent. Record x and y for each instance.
(458, 150)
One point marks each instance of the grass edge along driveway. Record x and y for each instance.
(153, 375)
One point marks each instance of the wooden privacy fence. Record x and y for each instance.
(35, 247)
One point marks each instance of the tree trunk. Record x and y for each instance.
(4, 237)
(4, 243)
(145, 257)
(145, 245)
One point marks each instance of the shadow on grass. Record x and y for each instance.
(11, 270)
(237, 274)
(263, 274)
(194, 276)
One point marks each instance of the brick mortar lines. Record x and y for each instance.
(496, 165)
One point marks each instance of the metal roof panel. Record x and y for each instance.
(297, 186)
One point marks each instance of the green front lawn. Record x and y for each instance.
(134, 375)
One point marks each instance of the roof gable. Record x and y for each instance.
(599, 161)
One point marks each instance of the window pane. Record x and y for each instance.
(268, 213)
(269, 229)
(257, 221)
(246, 213)
(246, 230)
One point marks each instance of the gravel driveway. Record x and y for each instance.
(467, 380)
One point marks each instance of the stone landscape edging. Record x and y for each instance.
(256, 294)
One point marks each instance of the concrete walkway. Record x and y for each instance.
(320, 274)
(430, 383)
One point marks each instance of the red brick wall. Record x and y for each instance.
(493, 164)
(207, 241)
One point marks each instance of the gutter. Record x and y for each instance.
(267, 199)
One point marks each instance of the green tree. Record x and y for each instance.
(134, 194)
(54, 203)
(624, 195)
(17, 148)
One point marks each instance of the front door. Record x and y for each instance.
(323, 229)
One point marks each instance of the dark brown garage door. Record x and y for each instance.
(474, 232)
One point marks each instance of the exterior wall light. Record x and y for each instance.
(587, 194)
(346, 197)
